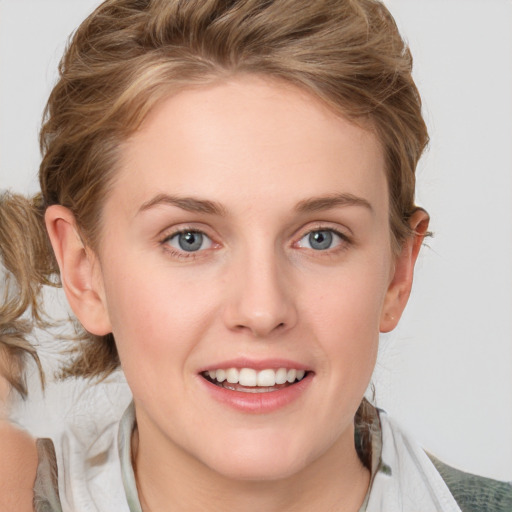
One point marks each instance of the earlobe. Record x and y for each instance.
(79, 269)
(401, 283)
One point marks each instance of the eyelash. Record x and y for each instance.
(343, 243)
(182, 253)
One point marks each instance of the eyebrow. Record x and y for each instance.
(190, 204)
(310, 205)
(316, 204)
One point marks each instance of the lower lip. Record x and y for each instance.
(258, 403)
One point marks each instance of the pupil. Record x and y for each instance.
(320, 240)
(190, 241)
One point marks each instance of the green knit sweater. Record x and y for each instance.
(475, 493)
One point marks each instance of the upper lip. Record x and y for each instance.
(262, 364)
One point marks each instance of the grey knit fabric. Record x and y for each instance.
(475, 493)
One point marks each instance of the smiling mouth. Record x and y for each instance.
(248, 380)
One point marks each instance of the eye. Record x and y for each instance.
(321, 240)
(189, 241)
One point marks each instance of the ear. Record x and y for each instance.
(79, 270)
(401, 283)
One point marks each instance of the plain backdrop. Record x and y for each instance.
(446, 372)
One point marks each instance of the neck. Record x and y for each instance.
(337, 481)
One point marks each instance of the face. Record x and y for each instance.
(244, 267)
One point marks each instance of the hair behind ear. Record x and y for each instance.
(29, 264)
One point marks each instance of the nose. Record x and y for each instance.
(261, 301)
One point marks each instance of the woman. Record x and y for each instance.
(229, 192)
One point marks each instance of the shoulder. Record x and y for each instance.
(18, 466)
(475, 493)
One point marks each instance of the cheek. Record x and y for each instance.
(349, 300)
(156, 314)
(345, 310)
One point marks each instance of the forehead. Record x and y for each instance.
(249, 141)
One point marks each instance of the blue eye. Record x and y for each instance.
(320, 240)
(190, 241)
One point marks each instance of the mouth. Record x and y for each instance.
(249, 380)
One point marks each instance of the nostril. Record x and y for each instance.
(242, 327)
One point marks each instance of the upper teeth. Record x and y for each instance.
(251, 377)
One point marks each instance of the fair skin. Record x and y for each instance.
(287, 263)
(18, 458)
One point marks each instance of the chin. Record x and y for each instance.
(257, 471)
(258, 462)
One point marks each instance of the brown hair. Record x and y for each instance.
(20, 231)
(129, 54)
